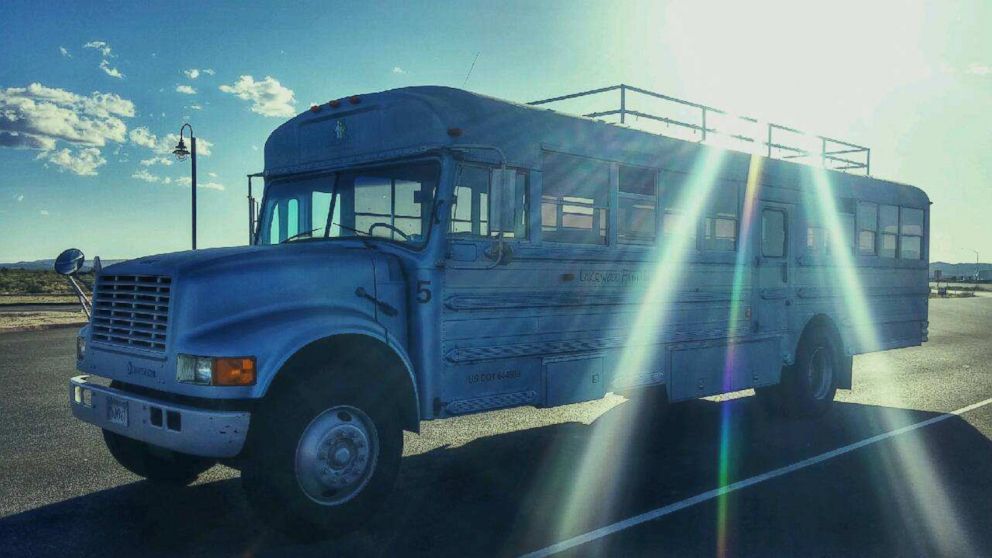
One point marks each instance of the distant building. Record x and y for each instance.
(984, 275)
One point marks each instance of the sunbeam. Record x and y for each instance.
(595, 490)
(741, 267)
(910, 465)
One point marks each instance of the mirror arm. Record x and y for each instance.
(84, 300)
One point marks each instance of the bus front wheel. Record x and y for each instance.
(323, 459)
(808, 386)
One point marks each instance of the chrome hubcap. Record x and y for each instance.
(336, 455)
(821, 372)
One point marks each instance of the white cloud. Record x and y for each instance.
(142, 136)
(195, 106)
(83, 162)
(143, 174)
(212, 174)
(194, 73)
(38, 117)
(110, 71)
(268, 96)
(398, 70)
(102, 46)
(19, 197)
(107, 53)
(980, 70)
(65, 52)
(44, 212)
(185, 90)
(163, 145)
(185, 181)
(164, 161)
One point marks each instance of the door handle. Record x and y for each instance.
(388, 310)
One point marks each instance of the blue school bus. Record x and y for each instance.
(428, 252)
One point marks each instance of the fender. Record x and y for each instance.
(274, 335)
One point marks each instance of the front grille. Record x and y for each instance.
(131, 311)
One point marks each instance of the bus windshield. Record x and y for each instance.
(390, 202)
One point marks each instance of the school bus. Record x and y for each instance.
(428, 252)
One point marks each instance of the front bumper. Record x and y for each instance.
(181, 428)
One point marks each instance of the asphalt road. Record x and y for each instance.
(517, 481)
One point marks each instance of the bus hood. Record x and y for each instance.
(218, 297)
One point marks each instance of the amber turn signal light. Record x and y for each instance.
(239, 371)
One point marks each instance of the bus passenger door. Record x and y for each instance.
(774, 291)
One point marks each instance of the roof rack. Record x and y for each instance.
(704, 124)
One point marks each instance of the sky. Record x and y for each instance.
(92, 95)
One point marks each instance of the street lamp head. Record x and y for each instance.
(180, 151)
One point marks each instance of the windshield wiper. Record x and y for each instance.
(299, 234)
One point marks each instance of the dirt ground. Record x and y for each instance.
(22, 321)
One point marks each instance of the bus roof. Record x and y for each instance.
(410, 120)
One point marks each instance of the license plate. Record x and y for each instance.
(117, 411)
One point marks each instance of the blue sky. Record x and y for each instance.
(90, 92)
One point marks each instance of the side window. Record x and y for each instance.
(720, 220)
(773, 233)
(888, 224)
(637, 200)
(845, 237)
(276, 234)
(674, 221)
(816, 240)
(867, 228)
(517, 229)
(471, 186)
(470, 206)
(292, 217)
(574, 199)
(911, 233)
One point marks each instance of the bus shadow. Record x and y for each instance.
(513, 492)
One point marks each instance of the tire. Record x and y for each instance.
(323, 456)
(158, 465)
(809, 385)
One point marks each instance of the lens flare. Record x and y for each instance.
(737, 302)
(909, 465)
(596, 488)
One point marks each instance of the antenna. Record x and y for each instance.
(472, 67)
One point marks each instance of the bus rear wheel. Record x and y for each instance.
(809, 385)
(323, 458)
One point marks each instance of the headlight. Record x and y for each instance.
(206, 371)
(80, 347)
(194, 370)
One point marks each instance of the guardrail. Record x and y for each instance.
(829, 151)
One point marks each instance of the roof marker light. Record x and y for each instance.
(454, 132)
(314, 108)
(335, 103)
(354, 99)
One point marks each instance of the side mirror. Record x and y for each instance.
(502, 198)
(70, 262)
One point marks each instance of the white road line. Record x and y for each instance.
(717, 492)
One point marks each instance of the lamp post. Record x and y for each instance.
(181, 153)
